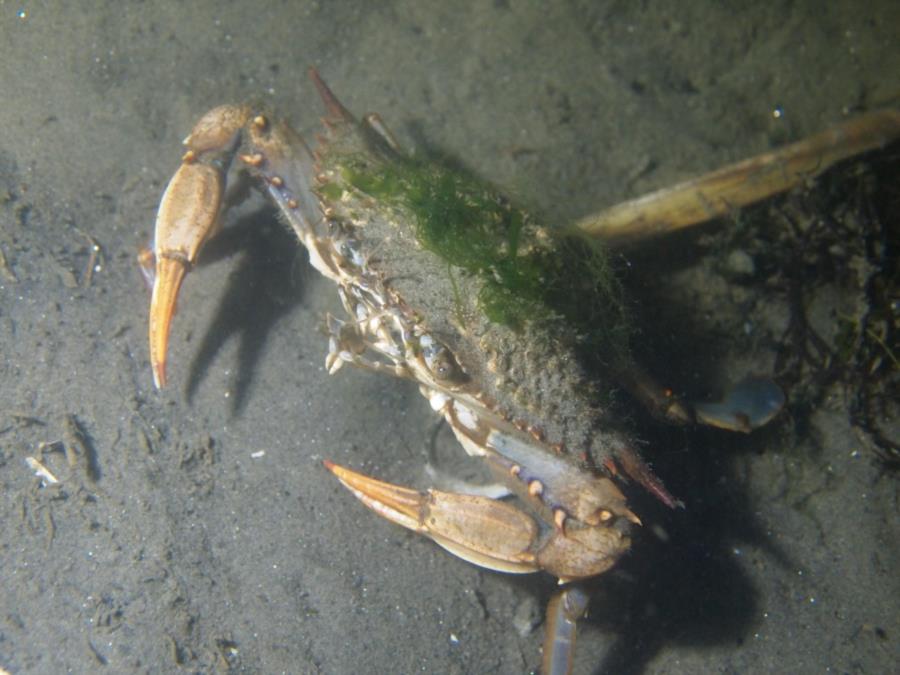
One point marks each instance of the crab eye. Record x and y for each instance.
(441, 362)
(445, 367)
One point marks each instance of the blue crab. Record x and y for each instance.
(515, 333)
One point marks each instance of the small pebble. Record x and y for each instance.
(740, 264)
(527, 617)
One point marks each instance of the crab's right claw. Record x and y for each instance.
(188, 216)
(479, 530)
(489, 533)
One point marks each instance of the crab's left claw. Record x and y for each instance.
(188, 217)
(490, 533)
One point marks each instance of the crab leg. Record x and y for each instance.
(719, 192)
(564, 610)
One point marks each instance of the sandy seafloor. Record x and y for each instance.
(172, 545)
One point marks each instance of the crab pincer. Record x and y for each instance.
(188, 217)
(493, 534)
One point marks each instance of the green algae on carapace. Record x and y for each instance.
(526, 271)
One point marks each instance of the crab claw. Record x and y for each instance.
(489, 533)
(188, 217)
(480, 530)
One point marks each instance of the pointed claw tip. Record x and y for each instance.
(169, 275)
(343, 474)
(336, 109)
(159, 375)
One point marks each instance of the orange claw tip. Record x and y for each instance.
(350, 478)
(169, 275)
(343, 474)
(159, 374)
(398, 504)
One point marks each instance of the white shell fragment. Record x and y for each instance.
(41, 471)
